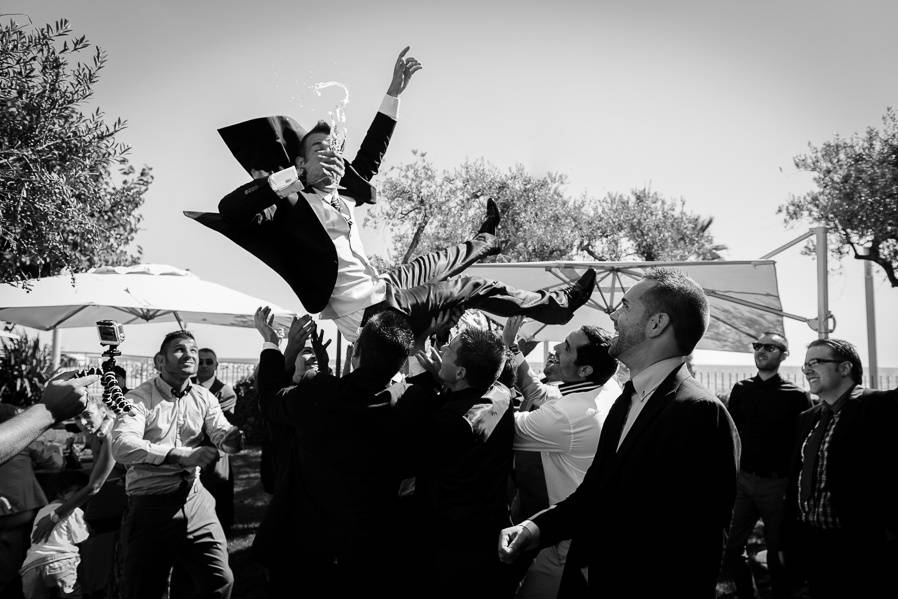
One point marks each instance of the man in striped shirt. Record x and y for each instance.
(561, 433)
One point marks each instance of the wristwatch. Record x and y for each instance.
(54, 517)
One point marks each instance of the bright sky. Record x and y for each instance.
(705, 100)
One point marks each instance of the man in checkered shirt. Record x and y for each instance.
(842, 528)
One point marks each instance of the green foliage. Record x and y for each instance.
(68, 195)
(425, 210)
(856, 195)
(643, 225)
(25, 365)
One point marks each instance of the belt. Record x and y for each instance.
(765, 474)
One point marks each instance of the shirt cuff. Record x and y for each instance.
(517, 359)
(531, 527)
(390, 106)
(270, 345)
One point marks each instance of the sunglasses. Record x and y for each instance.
(207, 362)
(768, 347)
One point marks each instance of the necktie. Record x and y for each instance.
(339, 206)
(617, 415)
(809, 457)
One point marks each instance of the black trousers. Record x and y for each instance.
(420, 289)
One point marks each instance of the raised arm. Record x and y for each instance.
(103, 465)
(377, 139)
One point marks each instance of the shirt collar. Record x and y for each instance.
(774, 380)
(577, 387)
(167, 391)
(849, 395)
(649, 379)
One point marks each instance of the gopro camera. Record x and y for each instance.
(111, 333)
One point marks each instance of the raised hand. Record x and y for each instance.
(510, 332)
(402, 73)
(263, 320)
(300, 329)
(430, 361)
(320, 349)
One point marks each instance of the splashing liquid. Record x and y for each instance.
(337, 115)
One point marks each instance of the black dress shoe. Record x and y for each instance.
(580, 292)
(492, 218)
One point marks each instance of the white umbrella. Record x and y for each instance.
(743, 295)
(130, 295)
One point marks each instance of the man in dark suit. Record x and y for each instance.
(293, 219)
(460, 429)
(841, 527)
(650, 517)
(331, 526)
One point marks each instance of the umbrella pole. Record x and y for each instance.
(55, 351)
(338, 370)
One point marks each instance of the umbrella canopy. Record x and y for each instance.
(130, 295)
(743, 296)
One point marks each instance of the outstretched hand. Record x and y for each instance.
(320, 349)
(510, 332)
(263, 320)
(300, 329)
(430, 361)
(402, 73)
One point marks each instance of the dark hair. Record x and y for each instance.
(777, 334)
(845, 352)
(174, 336)
(209, 350)
(320, 127)
(595, 353)
(385, 342)
(684, 302)
(509, 374)
(481, 353)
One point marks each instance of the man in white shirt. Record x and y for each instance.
(563, 432)
(170, 516)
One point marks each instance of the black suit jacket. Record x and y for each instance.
(861, 468)
(332, 515)
(291, 240)
(650, 520)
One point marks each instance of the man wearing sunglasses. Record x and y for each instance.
(217, 477)
(841, 521)
(765, 409)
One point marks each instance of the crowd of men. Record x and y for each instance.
(457, 471)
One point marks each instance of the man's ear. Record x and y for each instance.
(157, 362)
(585, 371)
(657, 324)
(460, 372)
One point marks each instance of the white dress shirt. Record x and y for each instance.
(645, 383)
